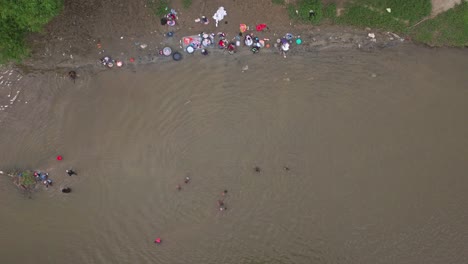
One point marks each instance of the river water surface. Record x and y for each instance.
(363, 158)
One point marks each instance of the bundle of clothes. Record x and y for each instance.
(109, 62)
(170, 18)
(43, 177)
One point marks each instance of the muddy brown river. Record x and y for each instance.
(363, 158)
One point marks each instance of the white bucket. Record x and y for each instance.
(190, 49)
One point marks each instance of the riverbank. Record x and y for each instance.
(81, 36)
(72, 38)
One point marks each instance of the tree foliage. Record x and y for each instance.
(18, 17)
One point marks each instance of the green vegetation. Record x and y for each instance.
(301, 9)
(449, 28)
(19, 17)
(187, 3)
(27, 179)
(411, 11)
(159, 7)
(278, 2)
(373, 13)
(329, 12)
(362, 16)
(12, 45)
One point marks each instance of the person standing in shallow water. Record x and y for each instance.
(72, 75)
(221, 205)
(70, 172)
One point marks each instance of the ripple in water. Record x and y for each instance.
(360, 183)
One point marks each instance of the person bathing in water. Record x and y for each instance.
(47, 183)
(72, 75)
(71, 172)
(221, 205)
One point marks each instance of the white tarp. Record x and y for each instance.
(219, 15)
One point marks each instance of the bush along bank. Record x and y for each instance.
(17, 18)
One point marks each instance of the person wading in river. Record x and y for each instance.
(70, 172)
(72, 75)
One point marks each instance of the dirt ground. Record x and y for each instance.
(87, 30)
(439, 6)
(90, 29)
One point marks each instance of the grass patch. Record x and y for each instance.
(362, 16)
(159, 7)
(449, 28)
(300, 11)
(12, 45)
(187, 3)
(278, 2)
(409, 10)
(373, 13)
(329, 12)
(18, 18)
(27, 179)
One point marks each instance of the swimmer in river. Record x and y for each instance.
(178, 187)
(187, 179)
(47, 183)
(66, 190)
(224, 193)
(286, 168)
(221, 205)
(72, 75)
(257, 169)
(70, 172)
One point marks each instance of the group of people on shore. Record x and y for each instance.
(246, 36)
(204, 41)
